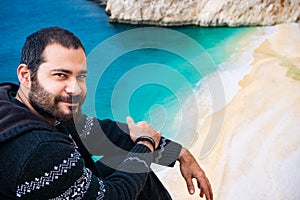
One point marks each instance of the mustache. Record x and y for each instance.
(69, 99)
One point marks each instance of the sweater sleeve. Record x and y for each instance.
(57, 171)
(166, 154)
(102, 136)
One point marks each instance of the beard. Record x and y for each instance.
(47, 104)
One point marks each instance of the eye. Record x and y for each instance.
(60, 75)
(82, 76)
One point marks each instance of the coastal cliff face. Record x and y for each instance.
(203, 12)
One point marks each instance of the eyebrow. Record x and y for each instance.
(68, 71)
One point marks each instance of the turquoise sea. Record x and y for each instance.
(146, 72)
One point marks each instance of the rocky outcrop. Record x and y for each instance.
(101, 2)
(203, 12)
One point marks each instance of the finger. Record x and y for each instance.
(190, 185)
(202, 192)
(210, 191)
(130, 122)
(205, 190)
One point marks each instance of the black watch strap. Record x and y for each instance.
(146, 138)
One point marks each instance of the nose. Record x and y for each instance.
(73, 88)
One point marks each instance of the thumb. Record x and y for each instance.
(130, 122)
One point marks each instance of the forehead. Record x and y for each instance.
(57, 56)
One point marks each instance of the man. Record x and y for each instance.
(46, 143)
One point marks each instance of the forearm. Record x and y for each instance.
(184, 155)
(113, 135)
(167, 152)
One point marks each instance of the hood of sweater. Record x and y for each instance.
(14, 119)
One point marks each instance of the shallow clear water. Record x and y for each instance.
(149, 81)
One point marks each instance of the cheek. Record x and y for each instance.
(54, 89)
(84, 91)
(82, 88)
(49, 84)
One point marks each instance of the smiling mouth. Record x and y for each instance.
(71, 105)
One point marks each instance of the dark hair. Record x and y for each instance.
(36, 43)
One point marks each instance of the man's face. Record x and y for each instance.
(60, 87)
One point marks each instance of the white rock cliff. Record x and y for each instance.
(203, 12)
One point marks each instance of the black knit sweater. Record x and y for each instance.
(39, 161)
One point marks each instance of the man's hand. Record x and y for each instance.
(142, 129)
(190, 169)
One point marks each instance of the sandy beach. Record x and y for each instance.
(257, 154)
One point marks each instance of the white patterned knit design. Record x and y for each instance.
(48, 177)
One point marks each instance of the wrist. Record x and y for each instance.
(147, 144)
(184, 155)
(148, 141)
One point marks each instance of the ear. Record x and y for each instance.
(24, 75)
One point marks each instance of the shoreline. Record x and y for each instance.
(258, 129)
(216, 90)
